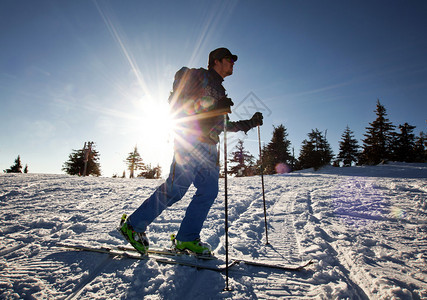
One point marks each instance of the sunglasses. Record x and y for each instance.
(229, 59)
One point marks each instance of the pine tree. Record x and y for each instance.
(16, 168)
(151, 173)
(315, 152)
(26, 169)
(243, 161)
(348, 148)
(134, 162)
(404, 144)
(420, 148)
(277, 151)
(378, 142)
(76, 162)
(308, 157)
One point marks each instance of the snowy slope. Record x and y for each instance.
(366, 228)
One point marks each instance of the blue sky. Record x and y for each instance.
(76, 71)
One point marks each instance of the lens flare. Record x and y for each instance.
(282, 168)
(397, 212)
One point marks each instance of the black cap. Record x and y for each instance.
(219, 54)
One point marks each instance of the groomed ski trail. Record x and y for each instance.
(247, 239)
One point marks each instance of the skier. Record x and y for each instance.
(199, 102)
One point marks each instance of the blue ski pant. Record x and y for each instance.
(196, 165)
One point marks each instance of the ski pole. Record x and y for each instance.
(226, 204)
(262, 184)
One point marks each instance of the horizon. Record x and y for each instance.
(102, 72)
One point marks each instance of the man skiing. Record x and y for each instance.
(199, 103)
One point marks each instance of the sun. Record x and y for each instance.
(155, 133)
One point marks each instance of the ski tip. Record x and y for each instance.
(310, 262)
(305, 264)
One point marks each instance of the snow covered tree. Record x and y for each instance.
(16, 168)
(315, 152)
(277, 151)
(404, 144)
(379, 136)
(243, 161)
(134, 162)
(76, 162)
(348, 148)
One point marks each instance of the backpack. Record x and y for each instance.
(189, 86)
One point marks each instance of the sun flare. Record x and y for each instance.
(155, 133)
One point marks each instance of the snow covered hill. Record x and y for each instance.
(366, 228)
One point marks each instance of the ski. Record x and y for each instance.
(195, 264)
(171, 252)
(169, 256)
(102, 249)
(121, 248)
(156, 254)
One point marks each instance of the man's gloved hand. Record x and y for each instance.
(256, 119)
(225, 104)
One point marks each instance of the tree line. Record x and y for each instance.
(85, 162)
(381, 143)
(134, 163)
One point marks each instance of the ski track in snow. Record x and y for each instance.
(365, 228)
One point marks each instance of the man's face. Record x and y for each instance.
(225, 66)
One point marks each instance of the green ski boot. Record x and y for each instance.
(196, 246)
(137, 239)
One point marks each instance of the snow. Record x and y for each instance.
(365, 228)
